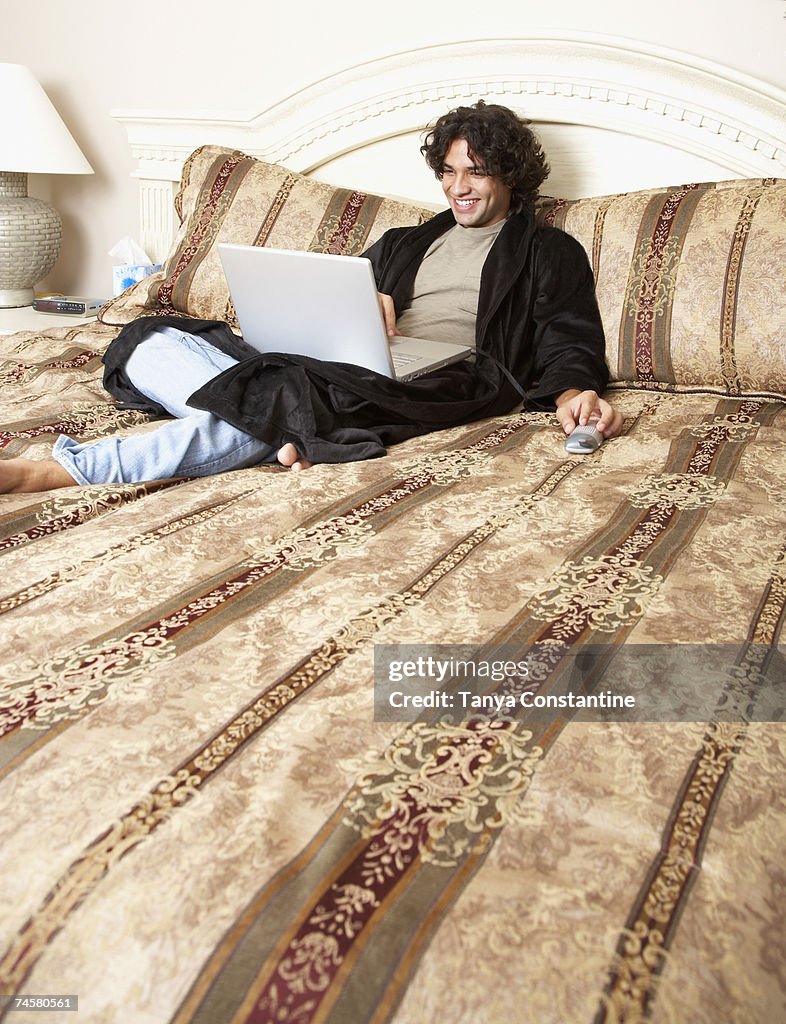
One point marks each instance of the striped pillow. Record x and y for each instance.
(227, 196)
(690, 283)
(689, 279)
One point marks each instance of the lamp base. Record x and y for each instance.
(30, 235)
(10, 297)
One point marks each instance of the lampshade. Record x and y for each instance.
(33, 139)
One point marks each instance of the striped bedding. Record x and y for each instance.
(204, 817)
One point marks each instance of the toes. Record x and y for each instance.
(288, 456)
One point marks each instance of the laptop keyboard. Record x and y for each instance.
(401, 359)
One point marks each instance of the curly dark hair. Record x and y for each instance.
(499, 139)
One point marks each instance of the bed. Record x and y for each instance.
(215, 803)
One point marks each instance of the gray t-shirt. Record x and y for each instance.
(445, 298)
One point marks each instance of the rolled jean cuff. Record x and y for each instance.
(63, 454)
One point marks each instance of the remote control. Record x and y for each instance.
(583, 440)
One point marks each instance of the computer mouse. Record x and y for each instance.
(583, 440)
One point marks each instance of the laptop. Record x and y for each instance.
(324, 306)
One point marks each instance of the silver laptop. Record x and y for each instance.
(324, 306)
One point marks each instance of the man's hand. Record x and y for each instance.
(388, 314)
(576, 408)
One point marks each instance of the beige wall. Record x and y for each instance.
(92, 56)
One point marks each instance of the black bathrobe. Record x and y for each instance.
(538, 333)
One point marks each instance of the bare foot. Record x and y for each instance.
(288, 456)
(22, 476)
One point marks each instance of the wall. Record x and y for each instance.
(92, 56)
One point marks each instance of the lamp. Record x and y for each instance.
(33, 139)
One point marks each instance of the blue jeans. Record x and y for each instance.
(168, 367)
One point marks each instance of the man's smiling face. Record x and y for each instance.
(476, 198)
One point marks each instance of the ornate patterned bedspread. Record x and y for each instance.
(201, 819)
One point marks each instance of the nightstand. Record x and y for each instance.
(25, 318)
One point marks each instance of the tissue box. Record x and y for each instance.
(126, 274)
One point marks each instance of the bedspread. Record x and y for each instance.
(203, 820)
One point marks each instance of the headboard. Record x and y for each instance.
(613, 116)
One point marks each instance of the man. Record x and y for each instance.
(481, 272)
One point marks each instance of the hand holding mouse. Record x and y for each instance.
(587, 419)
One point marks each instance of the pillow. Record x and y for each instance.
(689, 278)
(690, 282)
(227, 196)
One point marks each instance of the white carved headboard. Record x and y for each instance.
(613, 116)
